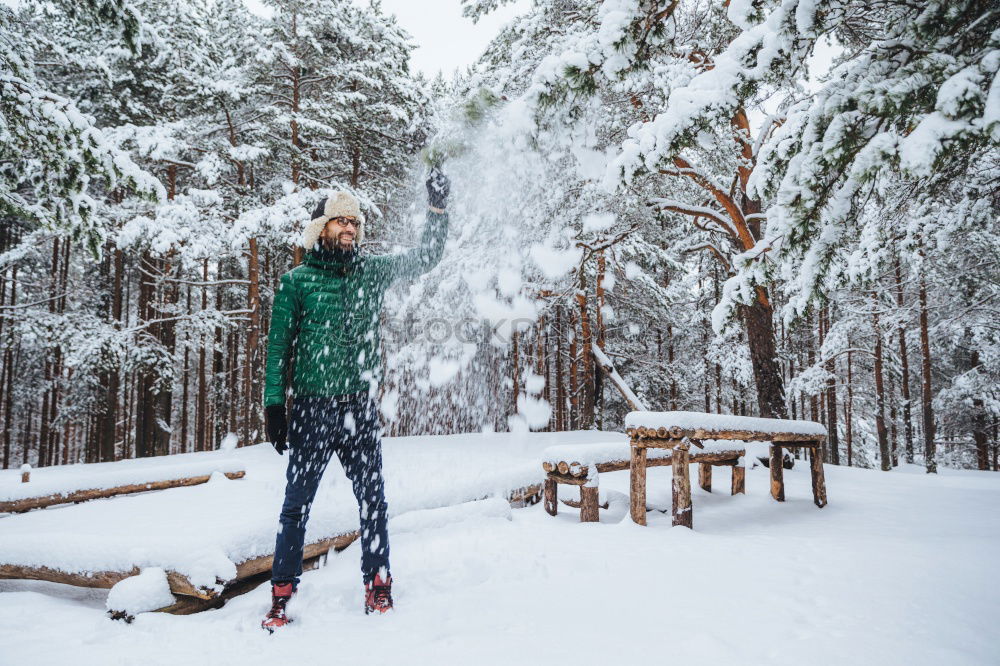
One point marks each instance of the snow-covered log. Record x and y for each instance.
(42, 501)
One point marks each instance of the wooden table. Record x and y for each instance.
(682, 439)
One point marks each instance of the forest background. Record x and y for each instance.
(769, 207)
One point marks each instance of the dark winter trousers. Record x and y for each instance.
(320, 427)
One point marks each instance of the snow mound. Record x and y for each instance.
(428, 519)
(149, 591)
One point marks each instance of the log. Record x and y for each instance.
(575, 504)
(589, 511)
(563, 467)
(548, 467)
(676, 432)
(705, 476)
(526, 496)
(551, 496)
(567, 479)
(262, 564)
(95, 579)
(739, 480)
(29, 503)
(818, 478)
(637, 485)
(777, 474)
(682, 513)
(727, 457)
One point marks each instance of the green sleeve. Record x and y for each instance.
(412, 263)
(281, 340)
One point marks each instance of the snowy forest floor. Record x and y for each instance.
(897, 569)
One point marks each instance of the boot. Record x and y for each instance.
(378, 595)
(276, 617)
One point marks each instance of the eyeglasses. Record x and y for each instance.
(344, 221)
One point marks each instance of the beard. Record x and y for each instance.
(344, 241)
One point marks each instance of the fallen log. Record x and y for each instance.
(42, 501)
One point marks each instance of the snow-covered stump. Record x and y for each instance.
(682, 510)
(25, 473)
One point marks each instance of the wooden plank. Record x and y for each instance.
(739, 480)
(777, 475)
(589, 511)
(660, 461)
(682, 512)
(551, 496)
(29, 503)
(637, 485)
(705, 476)
(818, 478)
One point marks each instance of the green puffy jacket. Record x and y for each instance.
(328, 312)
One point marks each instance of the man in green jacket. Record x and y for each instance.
(326, 319)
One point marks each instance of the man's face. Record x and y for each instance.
(339, 232)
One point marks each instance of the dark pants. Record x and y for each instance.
(320, 427)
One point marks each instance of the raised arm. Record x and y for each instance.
(408, 265)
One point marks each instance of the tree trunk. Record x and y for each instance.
(763, 357)
(849, 411)
(251, 367)
(904, 387)
(833, 437)
(979, 434)
(560, 380)
(926, 398)
(586, 358)
(883, 440)
(201, 404)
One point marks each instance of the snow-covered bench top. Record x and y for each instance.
(702, 426)
(203, 531)
(619, 451)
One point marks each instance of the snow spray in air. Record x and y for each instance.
(449, 363)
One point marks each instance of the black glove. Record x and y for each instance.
(438, 187)
(276, 425)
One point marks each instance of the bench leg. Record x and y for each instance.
(705, 476)
(637, 485)
(589, 511)
(739, 480)
(551, 497)
(818, 479)
(681, 488)
(777, 476)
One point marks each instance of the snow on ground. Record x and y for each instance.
(897, 569)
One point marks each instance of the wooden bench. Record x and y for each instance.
(679, 431)
(580, 465)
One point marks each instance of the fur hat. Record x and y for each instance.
(339, 204)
